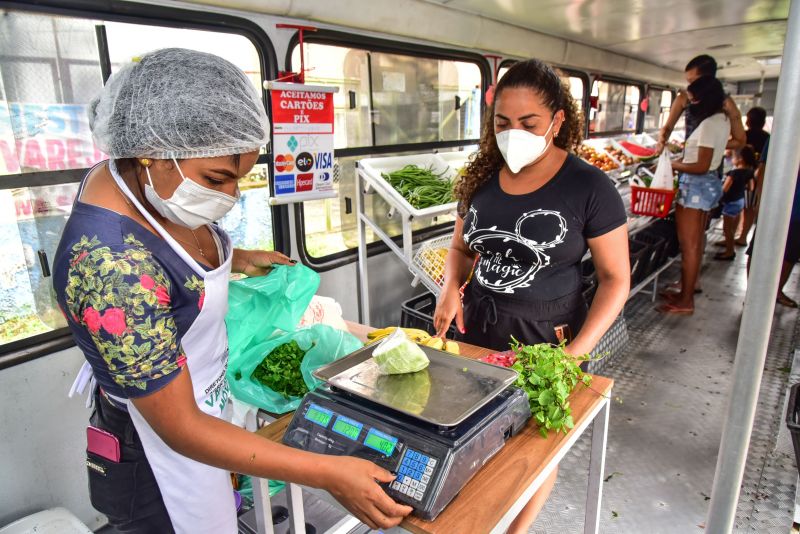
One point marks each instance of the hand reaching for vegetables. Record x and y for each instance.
(354, 483)
(448, 308)
(257, 262)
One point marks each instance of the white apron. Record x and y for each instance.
(199, 498)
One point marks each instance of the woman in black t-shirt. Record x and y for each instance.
(528, 211)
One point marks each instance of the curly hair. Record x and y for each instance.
(543, 80)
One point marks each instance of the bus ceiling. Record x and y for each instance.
(649, 40)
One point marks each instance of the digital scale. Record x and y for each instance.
(434, 429)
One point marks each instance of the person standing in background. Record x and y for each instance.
(757, 137)
(703, 65)
(699, 187)
(791, 252)
(738, 182)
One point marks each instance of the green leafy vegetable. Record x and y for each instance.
(548, 375)
(280, 370)
(422, 188)
(397, 355)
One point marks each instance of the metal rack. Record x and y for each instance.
(370, 181)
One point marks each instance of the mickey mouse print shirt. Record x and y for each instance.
(531, 245)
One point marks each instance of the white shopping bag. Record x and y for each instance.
(662, 179)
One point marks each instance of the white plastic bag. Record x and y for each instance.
(662, 179)
(323, 310)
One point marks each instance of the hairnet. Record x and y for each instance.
(178, 103)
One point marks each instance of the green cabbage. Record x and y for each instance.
(407, 392)
(397, 355)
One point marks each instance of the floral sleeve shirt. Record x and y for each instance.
(128, 299)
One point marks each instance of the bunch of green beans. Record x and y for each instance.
(422, 188)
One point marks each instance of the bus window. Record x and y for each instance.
(348, 69)
(575, 85)
(384, 99)
(658, 104)
(50, 69)
(615, 107)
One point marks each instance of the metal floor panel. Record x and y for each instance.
(671, 388)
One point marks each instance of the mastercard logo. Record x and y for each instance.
(284, 162)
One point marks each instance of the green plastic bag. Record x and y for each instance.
(259, 305)
(322, 344)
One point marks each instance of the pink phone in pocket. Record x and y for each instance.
(102, 443)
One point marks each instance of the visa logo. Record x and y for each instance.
(323, 160)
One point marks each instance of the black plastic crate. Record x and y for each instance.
(418, 313)
(666, 229)
(658, 246)
(793, 421)
(640, 260)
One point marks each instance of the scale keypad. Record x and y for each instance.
(414, 474)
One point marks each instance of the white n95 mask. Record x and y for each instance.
(191, 205)
(521, 148)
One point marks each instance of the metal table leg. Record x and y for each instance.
(297, 515)
(597, 463)
(363, 275)
(263, 508)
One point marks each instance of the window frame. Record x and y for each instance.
(39, 345)
(571, 73)
(376, 44)
(656, 87)
(642, 86)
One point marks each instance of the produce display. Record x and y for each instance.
(422, 188)
(601, 160)
(620, 156)
(548, 375)
(417, 336)
(502, 359)
(280, 370)
(432, 261)
(399, 355)
(638, 151)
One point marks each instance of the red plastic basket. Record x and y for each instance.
(651, 202)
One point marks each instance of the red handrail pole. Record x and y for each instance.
(301, 77)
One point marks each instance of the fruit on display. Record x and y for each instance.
(620, 156)
(638, 151)
(432, 261)
(601, 160)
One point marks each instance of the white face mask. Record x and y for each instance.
(191, 205)
(521, 148)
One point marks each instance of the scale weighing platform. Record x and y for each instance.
(434, 429)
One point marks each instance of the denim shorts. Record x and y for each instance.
(699, 191)
(733, 208)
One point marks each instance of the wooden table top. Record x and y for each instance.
(490, 493)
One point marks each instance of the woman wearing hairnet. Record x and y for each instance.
(141, 274)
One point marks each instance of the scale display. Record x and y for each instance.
(347, 427)
(383, 443)
(318, 414)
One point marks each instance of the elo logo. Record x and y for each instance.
(284, 163)
(304, 162)
(325, 177)
(305, 182)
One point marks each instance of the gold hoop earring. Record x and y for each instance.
(145, 162)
